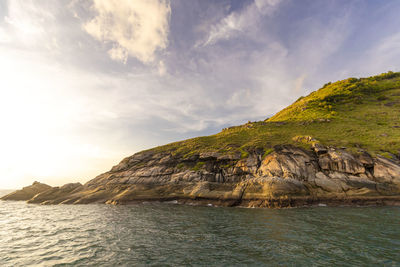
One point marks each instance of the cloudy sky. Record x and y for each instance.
(84, 83)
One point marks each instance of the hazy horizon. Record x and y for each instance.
(87, 83)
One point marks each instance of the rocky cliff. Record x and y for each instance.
(338, 145)
(288, 176)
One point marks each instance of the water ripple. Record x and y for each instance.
(165, 234)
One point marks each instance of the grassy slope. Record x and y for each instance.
(353, 113)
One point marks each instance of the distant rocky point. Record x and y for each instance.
(338, 146)
(4, 192)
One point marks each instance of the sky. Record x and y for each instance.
(85, 83)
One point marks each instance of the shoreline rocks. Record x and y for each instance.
(289, 176)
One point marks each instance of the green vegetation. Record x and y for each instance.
(353, 113)
(180, 165)
(226, 166)
(267, 152)
(198, 166)
(341, 97)
(386, 155)
(243, 153)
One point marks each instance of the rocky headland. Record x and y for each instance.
(338, 146)
(289, 176)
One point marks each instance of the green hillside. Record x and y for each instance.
(359, 114)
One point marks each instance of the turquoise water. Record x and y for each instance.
(176, 235)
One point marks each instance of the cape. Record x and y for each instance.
(340, 145)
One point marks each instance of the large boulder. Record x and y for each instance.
(387, 171)
(341, 161)
(289, 162)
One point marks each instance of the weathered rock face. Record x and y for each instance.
(290, 162)
(56, 195)
(27, 192)
(289, 176)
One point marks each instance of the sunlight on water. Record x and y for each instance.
(168, 234)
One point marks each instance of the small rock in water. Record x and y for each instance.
(321, 205)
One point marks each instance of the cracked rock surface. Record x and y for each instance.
(289, 176)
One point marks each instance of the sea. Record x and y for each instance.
(170, 234)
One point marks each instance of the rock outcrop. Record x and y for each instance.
(27, 192)
(289, 176)
(56, 194)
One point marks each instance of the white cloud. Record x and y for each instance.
(135, 28)
(240, 98)
(385, 55)
(237, 22)
(299, 83)
(118, 53)
(162, 70)
(4, 37)
(26, 22)
(267, 7)
(390, 45)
